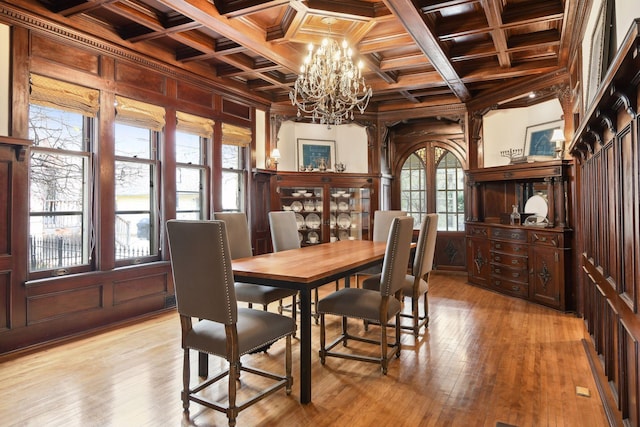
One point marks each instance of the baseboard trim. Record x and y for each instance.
(608, 403)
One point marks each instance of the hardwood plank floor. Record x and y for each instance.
(486, 358)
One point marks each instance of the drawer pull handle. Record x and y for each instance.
(498, 245)
(515, 288)
(515, 261)
(497, 270)
(497, 258)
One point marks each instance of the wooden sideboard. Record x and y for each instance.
(526, 261)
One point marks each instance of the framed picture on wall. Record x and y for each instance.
(599, 52)
(311, 152)
(537, 140)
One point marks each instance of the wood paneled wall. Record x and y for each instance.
(607, 149)
(37, 309)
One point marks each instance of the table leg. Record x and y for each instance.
(305, 346)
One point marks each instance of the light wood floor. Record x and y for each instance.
(486, 358)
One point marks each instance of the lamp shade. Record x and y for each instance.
(275, 154)
(558, 135)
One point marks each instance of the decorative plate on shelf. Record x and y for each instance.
(344, 221)
(300, 221)
(312, 221)
(300, 236)
(343, 235)
(309, 205)
(333, 206)
(343, 206)
(332, 221)
(296, 206)
(537, 205)
(319, 205)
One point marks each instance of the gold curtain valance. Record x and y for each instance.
(141, 114)
(235, 135)
(194, 124)
(53, 93)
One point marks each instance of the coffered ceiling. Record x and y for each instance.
(416, 52)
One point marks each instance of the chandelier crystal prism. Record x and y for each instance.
(329, 86)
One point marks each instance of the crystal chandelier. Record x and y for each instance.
(330, 86)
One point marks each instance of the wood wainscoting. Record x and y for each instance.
(606, 149)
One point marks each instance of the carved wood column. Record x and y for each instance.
(550, 197)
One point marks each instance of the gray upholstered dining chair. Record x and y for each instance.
(417, 283)
(240, 243)
(284, 236)
(374, 305)
(204, 285)
(381, 224)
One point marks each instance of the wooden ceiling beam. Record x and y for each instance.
(417, 26)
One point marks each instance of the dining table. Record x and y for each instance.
(305, 269)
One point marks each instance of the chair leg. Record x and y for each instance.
(287, 365)
(416, 316)
(280, 307)
(294, 313)
(398, 328)
(426, 309)
(323, 352)
(186, 374)
(344, 331)
(383, 346)
(232, 410)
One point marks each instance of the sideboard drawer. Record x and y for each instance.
(508, 247)
(509, 234)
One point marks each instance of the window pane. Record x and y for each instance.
(133, 189)
(450, 197)
(231, 156)
(51, 128)
(189, 192)
(230, 193)
(58, 203)
(233, 172)
(188, 148)
(132, 141)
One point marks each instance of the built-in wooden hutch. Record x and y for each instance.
(527, 261)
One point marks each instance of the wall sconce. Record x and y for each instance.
(558, 138)
(275, 157)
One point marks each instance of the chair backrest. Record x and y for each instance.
(382, 224)
(425, 246)
(396, 256)
(284, 230)
(238, 233)
(202, 272)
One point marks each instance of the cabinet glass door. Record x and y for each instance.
(307, 204)
(349, 213)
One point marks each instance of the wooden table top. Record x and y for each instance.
(311, 265)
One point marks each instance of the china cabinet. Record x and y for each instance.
(328, 206)
(528, 259)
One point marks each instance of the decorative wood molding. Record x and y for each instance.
(18, 144)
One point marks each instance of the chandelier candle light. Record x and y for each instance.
(330, 86)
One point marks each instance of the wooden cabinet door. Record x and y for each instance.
(546, 273)
(478, 261)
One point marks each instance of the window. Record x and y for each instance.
(432, 180)
(449, 192)
(192, 138)
(233, 178)
(235, 143)
(135, 179)
(137, 142)
(61, 121)
(413, 193)
(58, 191)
